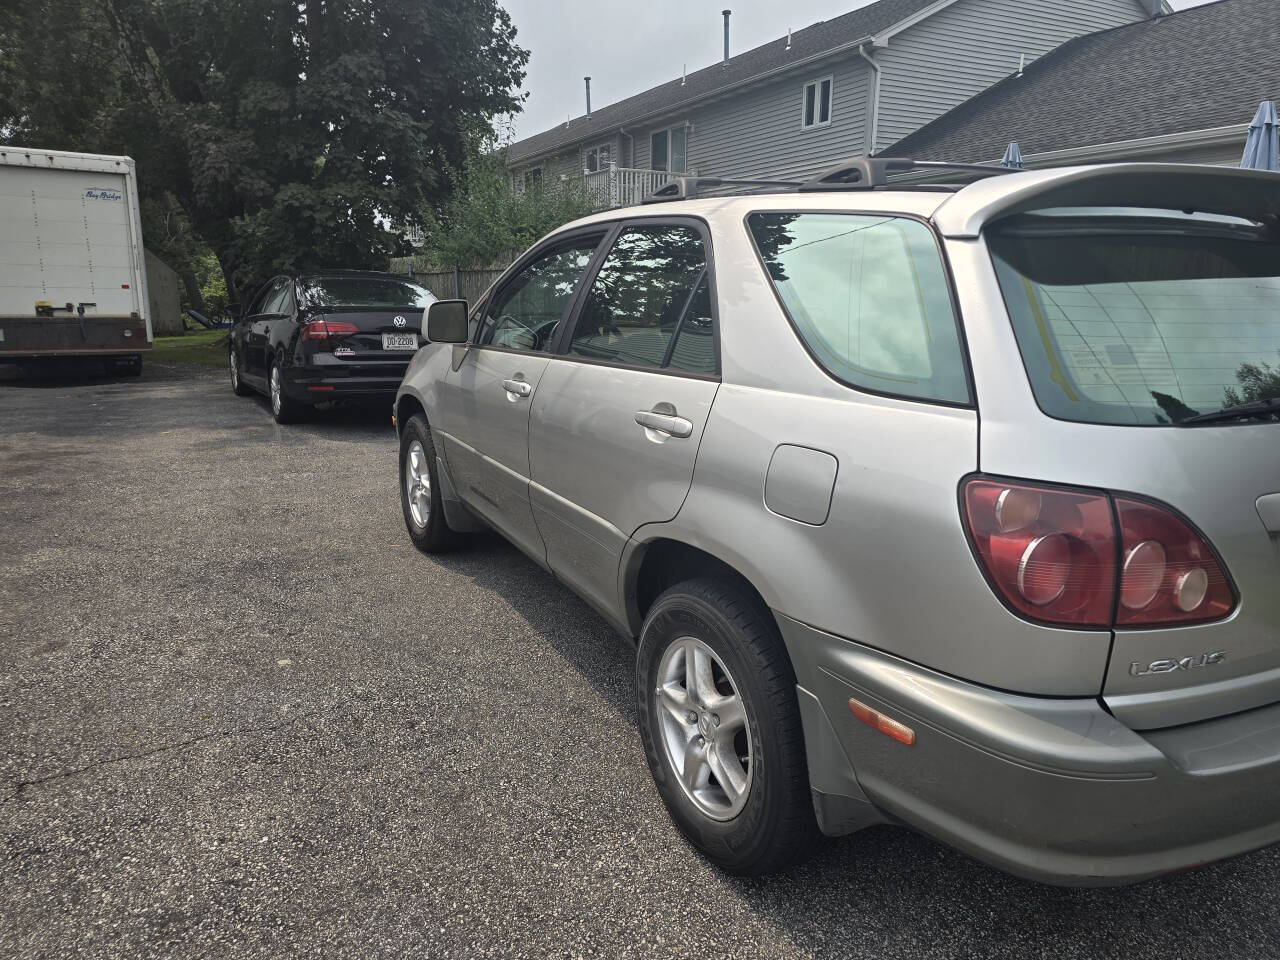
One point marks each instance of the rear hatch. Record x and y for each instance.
(1151, 341)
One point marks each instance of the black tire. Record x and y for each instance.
(435, 536)
(283, 407)
(776, 828)
(238, 386)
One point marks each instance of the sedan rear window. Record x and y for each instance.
(1141, 320)
(869, 297)
(375, 292)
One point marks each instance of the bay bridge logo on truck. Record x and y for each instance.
(102, 193)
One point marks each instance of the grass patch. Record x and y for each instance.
(205, 348)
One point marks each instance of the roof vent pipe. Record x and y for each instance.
(587, 80)
(726, 35)
(788, 38)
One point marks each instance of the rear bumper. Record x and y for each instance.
(337, 381)
(25, 338)
(1055, 790)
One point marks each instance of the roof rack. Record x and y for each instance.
(860, 173)
(690, 188)
(866, 173)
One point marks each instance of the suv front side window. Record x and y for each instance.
(526, 311)
(650, 303)
(868, 295)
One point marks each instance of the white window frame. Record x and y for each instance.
(596, 148)
(816, 86)
(529, 172)
(667, 130)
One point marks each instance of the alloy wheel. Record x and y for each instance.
(705, 732)
(417, 483)
(275, 390)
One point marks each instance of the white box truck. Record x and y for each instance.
(72, 277)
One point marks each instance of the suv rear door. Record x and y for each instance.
(620, 410)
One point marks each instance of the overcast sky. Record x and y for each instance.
(627, 47)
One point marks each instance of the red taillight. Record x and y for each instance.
(1171, 574)
(1055, 555)
(1050, 552)
(324, 329)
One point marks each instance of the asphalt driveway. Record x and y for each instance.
(241, 716)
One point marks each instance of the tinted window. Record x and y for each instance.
(376, 292)
(276, 299)
(869, 296)
(639, 303)
(1134, 321)
(695, 346)
(526, 311)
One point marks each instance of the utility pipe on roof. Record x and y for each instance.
(874, 111)
(726, 35)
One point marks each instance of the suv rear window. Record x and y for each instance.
(1141, 319)
(869, 297)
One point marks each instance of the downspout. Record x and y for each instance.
(873, 110)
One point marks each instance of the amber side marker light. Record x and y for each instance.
(879, 722)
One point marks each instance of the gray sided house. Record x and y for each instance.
(1176, 89)
(851, 85)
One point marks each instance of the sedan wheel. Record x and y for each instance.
(417, 484)
(704, 728)
(275, 391)
(284, 409)
(237, 385)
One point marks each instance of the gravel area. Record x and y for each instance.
(241, 716)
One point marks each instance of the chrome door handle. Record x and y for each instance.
(519, 387)
(672, 426)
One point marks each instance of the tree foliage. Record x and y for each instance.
(1258, 381)
(485, 220)
(284, 135)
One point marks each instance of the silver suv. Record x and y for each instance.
(950, 507)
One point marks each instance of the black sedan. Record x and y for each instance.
(319, 338)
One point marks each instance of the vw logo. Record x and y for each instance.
(399, 321)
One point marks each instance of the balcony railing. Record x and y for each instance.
(624, 186)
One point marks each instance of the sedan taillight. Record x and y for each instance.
(324, 329)
(1087, 558)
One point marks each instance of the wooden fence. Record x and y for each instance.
(464, 283)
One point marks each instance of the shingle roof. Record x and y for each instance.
(820, 38)
(1201, 68)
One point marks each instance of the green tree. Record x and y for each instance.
(485, 220)
(1258, 381)
(284, 135)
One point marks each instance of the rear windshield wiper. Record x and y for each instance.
(1254, 409)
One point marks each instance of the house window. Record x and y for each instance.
(817, 104)
(533, 178)
(598, 157)
(668, 149)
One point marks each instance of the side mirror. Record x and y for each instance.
(447, 321)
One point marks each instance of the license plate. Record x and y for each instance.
(399, 341)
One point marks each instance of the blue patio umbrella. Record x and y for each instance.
(1012, 157)
(1262, 149)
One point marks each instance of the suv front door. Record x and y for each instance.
(484, 403)
(620, 410)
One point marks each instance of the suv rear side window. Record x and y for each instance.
(650, 303)
(526, 311)
(869, 297)
(1135, 320)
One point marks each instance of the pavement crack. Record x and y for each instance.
(22, 785)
